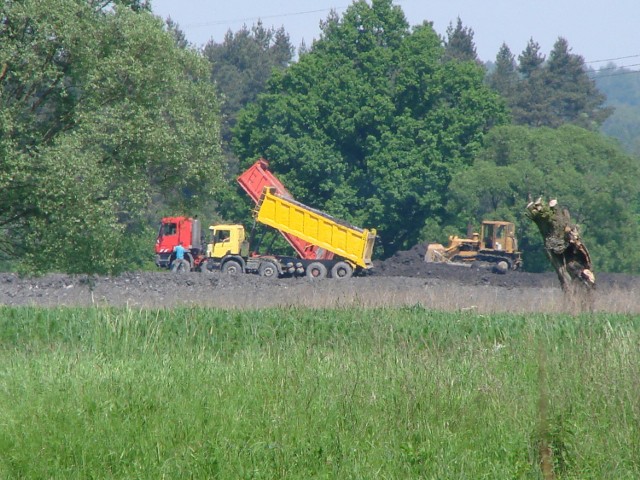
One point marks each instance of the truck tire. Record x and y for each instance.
(316, 271)
(341, 270)
(207, 266)
(268, 270)
(232, 267)
(180, 266)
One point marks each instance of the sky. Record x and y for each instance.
(598, 30)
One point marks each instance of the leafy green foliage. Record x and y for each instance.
(588, 174)
(371, 123)
(101, 113)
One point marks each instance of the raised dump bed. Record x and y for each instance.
(352, 243)
(258, 177)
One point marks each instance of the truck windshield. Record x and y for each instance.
(168, 229)
(221, 236)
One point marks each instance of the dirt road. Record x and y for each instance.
(400, 280)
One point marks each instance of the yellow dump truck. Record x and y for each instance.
(352, 246)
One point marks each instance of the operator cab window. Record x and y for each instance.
(488, 236)
(499, 238)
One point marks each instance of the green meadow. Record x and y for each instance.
(387, 393)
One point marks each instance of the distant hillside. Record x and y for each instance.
(622, 88)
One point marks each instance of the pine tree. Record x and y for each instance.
(531, 104)
(242, 64)
(459, 44)
(530, 60)
(504, 77)
(574, 95)
(174, 28)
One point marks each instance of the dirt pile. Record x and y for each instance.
(410, 263)
(404, 279)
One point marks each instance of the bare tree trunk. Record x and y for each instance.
(564, 248)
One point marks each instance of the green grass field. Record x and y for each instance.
(303, 393)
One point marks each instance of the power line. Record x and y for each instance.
(250, 19)
(322, 10)
(616, 67)
(612, 59)
(618, 74)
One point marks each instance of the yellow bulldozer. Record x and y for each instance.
(496, 244)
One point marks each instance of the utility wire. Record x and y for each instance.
(617, 67)
(321, 10)
(612, 59)
(249, 19)
(630, 72)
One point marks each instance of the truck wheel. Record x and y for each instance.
(180, 266)
(268, 270)
(316, 271)
(232, 267)
(341, 270)
(207, 266)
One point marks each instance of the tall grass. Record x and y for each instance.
(302, 393)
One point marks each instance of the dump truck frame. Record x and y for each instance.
(325, 246)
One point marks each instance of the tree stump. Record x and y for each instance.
(563, 247)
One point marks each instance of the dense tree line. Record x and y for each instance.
(586, 171)
(372, 122)
(241, 66)
(548, 93)
(101, 114)
(110, 119)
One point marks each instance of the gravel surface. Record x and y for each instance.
(403, 279)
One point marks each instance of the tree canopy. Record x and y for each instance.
(100, 113)
(459, 43)
(242, 64)
(548, 92)
(587, 172)
(372, 122)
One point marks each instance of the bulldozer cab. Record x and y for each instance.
(498, 235)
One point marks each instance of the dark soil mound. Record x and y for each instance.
(410, 263)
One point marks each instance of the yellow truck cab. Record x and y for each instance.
(226, 240)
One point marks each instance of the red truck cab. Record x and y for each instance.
(174, 230)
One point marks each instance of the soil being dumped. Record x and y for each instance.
(403, 279)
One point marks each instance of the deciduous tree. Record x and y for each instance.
(372, 122)
(100, 113)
